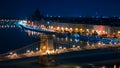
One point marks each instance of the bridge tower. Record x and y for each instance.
(46, 47)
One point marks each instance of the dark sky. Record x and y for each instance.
(60, 7)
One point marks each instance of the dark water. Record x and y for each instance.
(13, 38)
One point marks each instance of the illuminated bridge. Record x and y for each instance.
(45, 47)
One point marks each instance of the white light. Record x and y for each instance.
(78, 46)
(28, 51)
(70, 39)
(60, 47)
(48, 22)
(64, 48)
(11, 53)
(99, 43)
(73, 46)
(36, 48)
(56, 49)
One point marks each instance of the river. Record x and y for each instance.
(14, 37)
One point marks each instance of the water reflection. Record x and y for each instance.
(76, 39)
(64, 42)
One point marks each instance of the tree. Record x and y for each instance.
(37, 16)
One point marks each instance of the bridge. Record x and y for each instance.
(45, 47)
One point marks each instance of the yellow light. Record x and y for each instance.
(93, 31)
(99, 43)
(103, 31)
(64, 48)
(81, 29)
(66, 28)
(44, 47)
(87, 30)
(118, 32)
(76, 29)
(62, 28)
(51, 27)
(58, 28)
(71, 29)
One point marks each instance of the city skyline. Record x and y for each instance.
(70, 8)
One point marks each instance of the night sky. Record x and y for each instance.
(73, 8)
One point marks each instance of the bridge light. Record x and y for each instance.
(87, 30)
(44, 47)
(31, 52)
(56, 49)
(70, 39)
(64, 48)
(115, 43)
(81, 29)
(15, 55)
(99, 43)
(93, 31)
(76, 29)
(58, 28)
(11, 53)
(62, 28)
(73, 46)
(60, 47)
(51, 27)
(78, 46)
(37, 49)
(71, 29)
(28, 51)
(66, 29)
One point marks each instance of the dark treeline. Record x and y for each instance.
(37, 16)
(112, 21)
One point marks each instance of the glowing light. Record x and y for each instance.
(56, 49)
(28, 51)
(62, 28)
(103, 31)
(66, 28)
(81, 29)
(78, 46)
(64, 48)
(66, 39)
(44, 47)
(76, 29)
(71, 29)
(51, 27)
(99, 43)
(11, 53)
(77, 40)
(118, 32)
(58, 28)
(87, 30)
(70, 39)
(73, 46)
(60, 47)
(22, 23)
(36, 48)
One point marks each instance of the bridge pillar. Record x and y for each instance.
(46, 48)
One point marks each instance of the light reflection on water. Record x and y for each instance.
(82, 41)
(72, 41)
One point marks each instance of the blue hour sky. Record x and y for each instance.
(71, 8)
